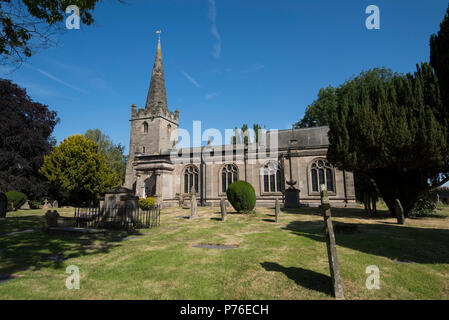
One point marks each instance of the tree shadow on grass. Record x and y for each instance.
(305, 278)
(36, 250)
(396, 242)
(18, 223)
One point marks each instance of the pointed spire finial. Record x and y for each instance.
(157, 98)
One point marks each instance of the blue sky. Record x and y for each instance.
(226, 62)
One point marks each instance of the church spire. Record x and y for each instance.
(157, 97)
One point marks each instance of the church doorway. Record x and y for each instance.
(150, 187)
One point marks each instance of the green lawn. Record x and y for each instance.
(285, 260)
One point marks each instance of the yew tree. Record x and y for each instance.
(394, 129)
(439, 57)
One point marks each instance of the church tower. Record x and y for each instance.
(154, 127)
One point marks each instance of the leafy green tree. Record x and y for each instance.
(25, 137)
(246, 139)
(256, 129)
(77, 170)
(113, 153)
(439, 57)
(320, 111)
(393, 129)
(26, 25)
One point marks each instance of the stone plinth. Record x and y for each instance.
(277, 208)
(223, 209)
(193, 206)
(399, 211)
(291, 198)
(118, 200)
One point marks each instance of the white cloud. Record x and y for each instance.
(213, 29)
(52, 77)
(188, 77)
(210, 96)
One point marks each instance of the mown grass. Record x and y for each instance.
(285, 260)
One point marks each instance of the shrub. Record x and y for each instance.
(146, 203)
(241, 195)
(16, 197)
(425, 205)
(34, 204)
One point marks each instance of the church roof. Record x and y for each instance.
(301, 138)
(157, 97)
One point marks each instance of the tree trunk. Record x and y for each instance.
(374, 204)
(405, 186)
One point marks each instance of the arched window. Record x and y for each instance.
(271, 177)
(229, 174)
(191, 179)
(321, 172)
(145, 127)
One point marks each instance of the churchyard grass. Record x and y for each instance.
(284, 260)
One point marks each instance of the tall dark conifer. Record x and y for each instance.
(393, 130)
(439, 57)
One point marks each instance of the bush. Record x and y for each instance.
(146, 203)
(34, 204)
(241, 195)
(16, 197)
(424, 206)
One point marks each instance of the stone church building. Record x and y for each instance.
(156, 167)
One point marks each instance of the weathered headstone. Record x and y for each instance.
(399, 211)
(25, 206)
(291, 199)
(47, 205)
(51, 219)
(277, 209)
(193, 205)
(223, 209)
(3, 205)
(55, 204)
(337, 288)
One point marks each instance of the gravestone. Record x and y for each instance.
(291, 199)
(25, 206)
(399, 211)
(193, 206)
(51, 219)
(55, 204)
(277, 208)
(337, 287)
(47, 205)
(3, 205)
(223, 209)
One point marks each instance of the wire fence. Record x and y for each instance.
(118, 218)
